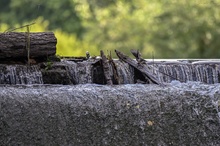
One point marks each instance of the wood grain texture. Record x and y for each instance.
(13, 44)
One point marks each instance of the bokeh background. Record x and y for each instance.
(158, 28)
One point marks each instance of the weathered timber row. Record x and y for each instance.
(13, 45)
(20, 50)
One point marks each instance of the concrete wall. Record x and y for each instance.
(186, 114)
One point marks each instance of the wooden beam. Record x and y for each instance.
(139, 66)
(106, 68)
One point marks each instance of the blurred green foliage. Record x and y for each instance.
(167, 29)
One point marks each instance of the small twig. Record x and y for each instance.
(10, 30)
(153, 60)
(28, 42)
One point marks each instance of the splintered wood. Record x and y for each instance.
(139, 65)
(106, 68)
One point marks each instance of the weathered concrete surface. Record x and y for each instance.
(184, 114)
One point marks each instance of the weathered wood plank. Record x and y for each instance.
(139, 66)
(106, 69)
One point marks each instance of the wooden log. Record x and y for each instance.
(106, 68)
(14, 44)
(143, 69)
